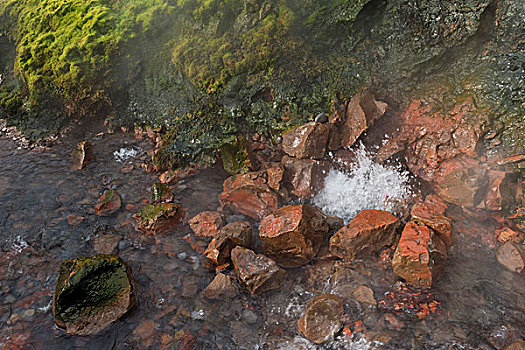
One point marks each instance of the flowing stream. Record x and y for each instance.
(46, 215)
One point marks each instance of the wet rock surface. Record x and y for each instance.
(365, 234)
(258, 273)
(512, 256)
(234, 234)
(322, 318)
(304, 176)
(206, 224)
(306, 141)
(92, 293)
(109, 203)
(293, 234)
(82, 155)
(419, 256)
(160, 218)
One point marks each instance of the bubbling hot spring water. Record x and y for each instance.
(364, 184)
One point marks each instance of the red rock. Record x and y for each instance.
(415, 303)
(159, 218)
(512, 256)
(109, 203)
(429, 214)
(306, 141)
(419, 256)
(230, 236)
(365, 234)
(259, 273)
(293, 234)
(83, 155)
(322, 318)
(507, 234)
(222, 287)
(305, 177)
(361, 112)
(206, 223)
(275, 177)
(249, 194)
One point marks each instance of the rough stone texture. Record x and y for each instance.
(258, 273)
(206, 223)
(275, 177)
(106, 244)
(249, 194)
(161, 193)
(305, 177)
(82, 155)
(419, 256)
(430, 213)
(306, 141)
(293, 234)
(432, 136)
(516, 345)
(499, 194)
(91, 293)
(361, 112)
(415, 303)
(234, 234)
(365, 234)
(322, 318)
(512, 256)
(159, 218)
(364, 295)
(109, 203)
(222, 287)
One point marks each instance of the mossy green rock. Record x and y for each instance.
(91, 293)
(160, 218)
(161, 192)
(234, 157)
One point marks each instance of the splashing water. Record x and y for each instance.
(365, 185)
(124, 154)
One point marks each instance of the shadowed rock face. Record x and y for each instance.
(92, 293)
(293, 234)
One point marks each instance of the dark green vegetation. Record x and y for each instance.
(207, 70)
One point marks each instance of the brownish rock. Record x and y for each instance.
(306, 141)
(365, 234)
(305, 177)
(322, 318)
(361, 112)
(415, 303)
(206, 223)
(364, 295)
(230, 236)
(275, 177)
(516, 345)
(109, 203)
(249, 194)
(430, 213)
(419, 256)
(293, 234)
(498, 194)
(259, 273)
(106, 244)
(82, 155)
(334, 222)
(222, 287)
(512, 256)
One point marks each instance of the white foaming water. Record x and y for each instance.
(124, 154)
(366, 185)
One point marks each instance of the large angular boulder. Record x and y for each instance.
(305, 177)
(109, 203)
(82, 155)
(306, 141)
(206, 223)
(258, 272)
(234, 234)
(159, 218)
(361, 112)
(419, 256)
(249, 194)
(512, 256)
(431, 213)
(322, 319)
(365, 234)
(293, 234)
(91, 293)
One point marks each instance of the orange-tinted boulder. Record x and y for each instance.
(258, 272)
(307, 141)
(293, 234)
(365, 234)
(206, 223)
(221, 287)
(322, 319)
(361, 112)
(512, 256)
(305, 177)
(430, 213)
(160, 218)
(230, 236)
(249, 194)
(419, 256)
